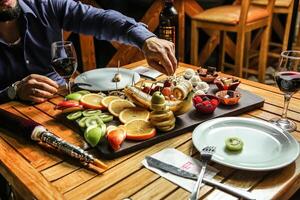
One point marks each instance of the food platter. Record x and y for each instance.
(140, 115)
(101, 79)
(266, 147)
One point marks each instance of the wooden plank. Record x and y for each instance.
(51, 125)
(34, 154)
(25, 179)
(98, 184)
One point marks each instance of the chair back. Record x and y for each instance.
(245, 4)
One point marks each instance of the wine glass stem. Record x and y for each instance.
(68, 85)
(287, 98)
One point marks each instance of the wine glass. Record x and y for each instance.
(287, 78)
(64, 60)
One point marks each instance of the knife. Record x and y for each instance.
(153, 162)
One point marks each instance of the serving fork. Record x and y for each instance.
(206, 155)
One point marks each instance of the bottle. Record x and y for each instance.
(168, 24)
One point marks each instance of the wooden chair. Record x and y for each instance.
(241, 18)
(282, 30)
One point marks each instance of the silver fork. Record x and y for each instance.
(206, 154)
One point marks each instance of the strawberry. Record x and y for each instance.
(197, 100)
(214, 102)
(206, 103)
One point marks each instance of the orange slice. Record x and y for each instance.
(133, 113)
(92, 101)
(106, 100)
(139, 130)
(117, 106)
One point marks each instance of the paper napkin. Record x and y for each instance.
(148, 72)
(179, 159)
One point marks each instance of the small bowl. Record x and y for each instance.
(205, 106)
(231, 86)
(227, 99)
(207, 76)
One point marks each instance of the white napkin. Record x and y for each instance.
(147, 71)
(179, 159)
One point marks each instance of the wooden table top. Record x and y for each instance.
(36, 172)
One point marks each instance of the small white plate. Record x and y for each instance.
(101, 79)
(266, 147)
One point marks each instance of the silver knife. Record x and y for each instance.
(153, 162)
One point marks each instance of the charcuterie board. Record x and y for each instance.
(184, 123)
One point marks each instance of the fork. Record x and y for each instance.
(206, 154)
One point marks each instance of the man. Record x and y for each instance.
(29, 27)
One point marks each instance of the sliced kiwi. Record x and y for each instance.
(88, 113)
(106, 118)
(74, 115)
(234, 144)
(93, 121)
(81, 122)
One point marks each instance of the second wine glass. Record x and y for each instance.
(287, 78)
(64, 60)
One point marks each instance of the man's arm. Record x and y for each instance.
(103, 24)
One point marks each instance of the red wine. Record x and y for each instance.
(288, 81)
(65, 67)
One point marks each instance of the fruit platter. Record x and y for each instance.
(140, 115)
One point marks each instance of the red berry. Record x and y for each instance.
(166, 91)
(146, 89)
(197, 100)
(214, 102)
(167, 83)
(206, 103)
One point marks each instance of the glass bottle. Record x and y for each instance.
(168, 24)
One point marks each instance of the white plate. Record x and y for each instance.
(266, 147)
(101, 79)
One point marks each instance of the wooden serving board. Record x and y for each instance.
(184, 123)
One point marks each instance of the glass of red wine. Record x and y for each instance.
(287, 78)
(64, 60)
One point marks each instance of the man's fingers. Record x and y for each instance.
(45, 87)
(167, 64)
(43, 79)
(36, 99)
(157, 66)
(173, 61)
(41, 93)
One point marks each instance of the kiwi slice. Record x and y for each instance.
(88, 113)
(106, 118)
(234, 144)
(74, 115)
(93, 121)
(81, 122)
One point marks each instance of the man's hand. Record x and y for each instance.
(160, 55)
(36, 88)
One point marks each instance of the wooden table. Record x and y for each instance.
(36, 172)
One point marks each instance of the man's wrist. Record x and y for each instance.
(12, 91)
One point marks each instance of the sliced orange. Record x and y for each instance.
(133, 113)
(92, 101)
(139, 130)
(117, 106)
(106, 100)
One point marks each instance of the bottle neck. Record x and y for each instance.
(169, 3)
